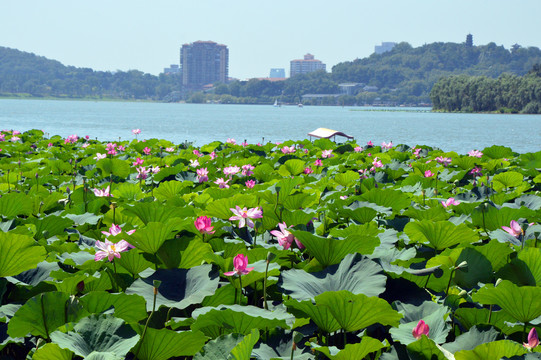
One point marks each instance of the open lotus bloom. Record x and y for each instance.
(513, 229)
(245, 216)
(240, 263)
(533, 339)
(420, 329)
(110, 250)
(450, 201)
(102, 193)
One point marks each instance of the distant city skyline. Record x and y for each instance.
(139, 35)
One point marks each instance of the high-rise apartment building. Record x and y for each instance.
(277, 73)
(306, 65)
(203, 63)
(384, 47)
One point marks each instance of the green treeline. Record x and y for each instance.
(404, 75)
(507, 93)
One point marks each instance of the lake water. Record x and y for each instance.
(203, 123)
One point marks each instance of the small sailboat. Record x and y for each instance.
(276, 103)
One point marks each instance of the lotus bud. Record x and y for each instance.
(270, 256)
(462, 293)
(498, 282)
(462, 265)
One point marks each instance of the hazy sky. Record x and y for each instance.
(147, 35)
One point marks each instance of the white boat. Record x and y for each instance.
(276, 103)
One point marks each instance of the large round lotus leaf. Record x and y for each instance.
(506, 180)
(525, 269)
(130, 308)
(166, 344)
(353, 351)
(179, 288)
(230, 346)
(492, 350)
(157, 212)
(440, 234)
(356, 312)
(115, 167)
(281, 347)
(43, 314)
(150, 238)
(98, 333)
(395, 199)
(321, 315)
(14, 204)
(355, 273)
(330, 251)
(523, 303)
(471, 339)
(433, 314)
(237, 319)
(426, 348)
(18, 253)
(52, 351)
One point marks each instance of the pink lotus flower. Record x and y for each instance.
(202, 224)
(71, 139)
(284, 237)
(428, 173)
(288, 149)
(421, 329)
(514, 229)
(231, 170)
(416, 151)
(245, 216)
(194, 163)
(102, 193)
(247, 170)
(202, 175)
(16, 138)
(244, 144)
(533, 339)
(240, 263)
(213, 155)
(197, 153)
(358, 149)
(110, 147)
(476, 171)
(110, 250)
(147, 150)
(136, 131)
(475, 153)
(377, 163)
(16, 132)
(370, 143)
(387, 145)
(343, 197)
(318, 162)
(142, 173)
(138, 162)
(327, 154)
(2, 137)
(443, 160)
(169, 149)
(450, 201)
(99, 156)
(155, 169)
(308, 170)
(250, 184)
(49, 144)
(114, 230)
(121, 148)
(222, 183)
(231, 141)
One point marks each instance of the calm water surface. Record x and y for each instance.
(202, 123)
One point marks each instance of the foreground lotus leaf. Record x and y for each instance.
(18, 253)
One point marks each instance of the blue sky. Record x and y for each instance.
(147, 35)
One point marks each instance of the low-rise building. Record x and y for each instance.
(306, 65)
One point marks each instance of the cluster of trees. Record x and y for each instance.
(507, 93)
(404, 75)
(22, 72)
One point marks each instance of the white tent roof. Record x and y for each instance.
(327, 133)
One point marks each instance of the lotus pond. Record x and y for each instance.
(303, 250)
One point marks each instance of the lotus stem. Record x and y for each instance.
(148, 320)
(240, 292)
(449, 283)
(428, 278)
(43, 317)
(489, 313)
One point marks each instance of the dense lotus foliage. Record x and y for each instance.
(302, 250)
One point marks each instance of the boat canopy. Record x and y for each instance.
(327, 134)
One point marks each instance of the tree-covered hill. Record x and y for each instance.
(22, 72)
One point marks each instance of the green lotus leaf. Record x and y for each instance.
(294, 166)
(281, 347)
(525, 269)
(150, 238)
(52, 351)
(355, 273)
(43, 314)
(169, 190)
(18, 253)
(362, 215)
(356, 312)
(49, 226)
(130, 308)
(426, 348)
(34, 276)
(170, 173)
(115, 167)
(440, 234)
(478, 270)
(495, 252)
(523, 303)
(264, 172)
(230, 346)
(321, 315)
(498, 152)
(298, 217)
(353, 351)
(297, 201)
(98, 333)
(347, 179)
(221, 208)
(179, 288)
(15, 204)
(434, 214)
(331, 251)
(86, 218)
(470, 317)
(224, 295)
(129, 191)
(507, 180)
(471, 339)
(465, 162)
(215, 321)
(394, 199)
(156, 212)
(166, 344)
(492, 350)
(133, 261)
